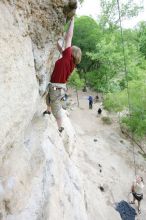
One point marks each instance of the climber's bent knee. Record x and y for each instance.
(55, 101)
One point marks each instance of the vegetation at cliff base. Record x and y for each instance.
(113, 67)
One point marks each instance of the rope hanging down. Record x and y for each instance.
(126, 77)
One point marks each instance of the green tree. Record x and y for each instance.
(75, 81)
(142, 37)
(110, 75)
(110, 15)
(135, 106)
(81, 1)
(103, 62)
(86, 35)
(108, 54)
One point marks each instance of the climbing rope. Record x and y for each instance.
(126, 77)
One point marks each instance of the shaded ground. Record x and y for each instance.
(105, 159)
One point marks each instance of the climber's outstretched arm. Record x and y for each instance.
(69, 34)
(59, 47)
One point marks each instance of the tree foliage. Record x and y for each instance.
(86, 36)
(135, 106)
(75, 81)
(109, 68)
(142, 37)
(110, 13)
(81, 1)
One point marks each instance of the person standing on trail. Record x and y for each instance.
(137, 191)
(96, 99)
(90, 99)
(64, 66)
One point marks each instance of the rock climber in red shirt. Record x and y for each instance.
(64, 66)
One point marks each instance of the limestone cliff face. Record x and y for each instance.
(28, 34)
(37, 179)
(45, 175)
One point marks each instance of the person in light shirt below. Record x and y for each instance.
(137, 191)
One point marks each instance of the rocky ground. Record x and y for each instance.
(105, 159)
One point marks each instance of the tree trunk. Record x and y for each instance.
(77, 97)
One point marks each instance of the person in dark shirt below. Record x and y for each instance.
(64, 66)
(90, 99)
(99, 111)
(96, 98)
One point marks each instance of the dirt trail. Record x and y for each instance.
(105, 159)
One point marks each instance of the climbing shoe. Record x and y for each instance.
(46, 112)
(60, 129)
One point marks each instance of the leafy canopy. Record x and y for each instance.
(86, 36)
(75, 81)
(103, 66)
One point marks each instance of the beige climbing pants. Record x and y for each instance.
(53, 99)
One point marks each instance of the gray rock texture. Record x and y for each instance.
(34, 165)
(45, 175)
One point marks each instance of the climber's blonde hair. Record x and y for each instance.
(77, 54)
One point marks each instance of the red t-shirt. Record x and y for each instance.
(63, 67)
